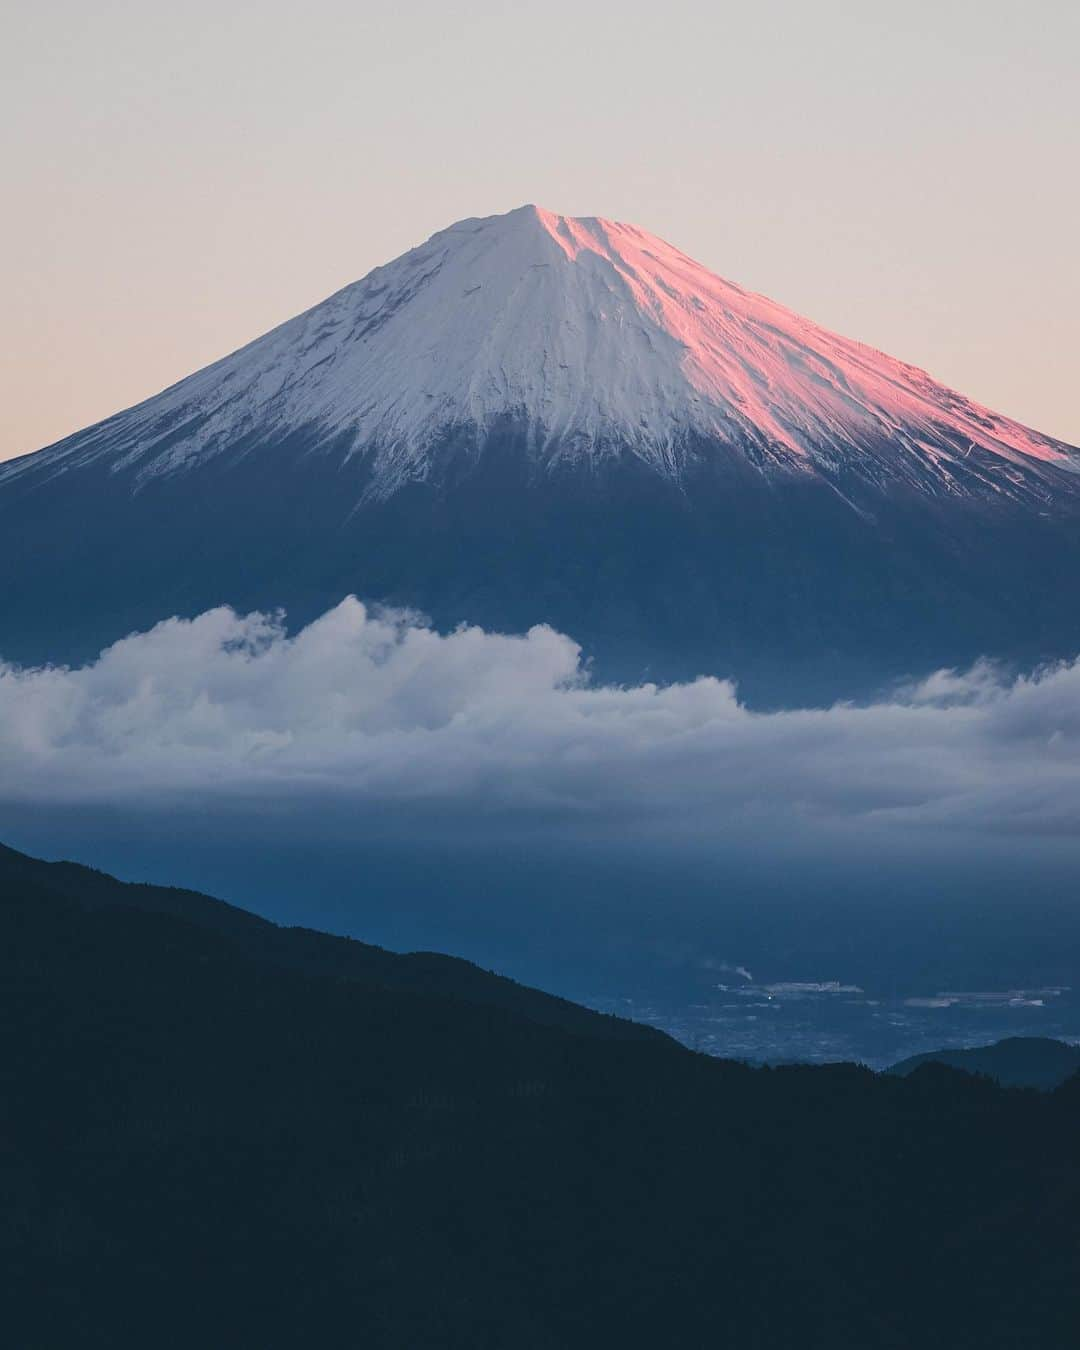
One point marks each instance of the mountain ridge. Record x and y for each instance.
(325, 1161)
(595, 338)
(540, 419)
(1017, 1061)
(311, 952)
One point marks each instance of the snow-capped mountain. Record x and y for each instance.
(503, 423)
(596, 339)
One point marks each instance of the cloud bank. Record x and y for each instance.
(366, 710)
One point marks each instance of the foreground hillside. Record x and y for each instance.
(206, 1143)
(302, 949)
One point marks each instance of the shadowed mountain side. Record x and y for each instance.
(301, 949)
(1019, 1061)
(203, 1148)
(781, 584)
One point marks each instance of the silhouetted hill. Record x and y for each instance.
(1018, 1061)
(316, 953)
(199, 1146)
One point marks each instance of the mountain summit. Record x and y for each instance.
(534, 417)
(593, 339)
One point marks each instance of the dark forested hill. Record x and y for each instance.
(202, 1143)
(315, 953)
(1017, 1061)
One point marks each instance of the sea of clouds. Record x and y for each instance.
(367, 709)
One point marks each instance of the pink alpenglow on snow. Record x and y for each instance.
(744, 353)
(593, 337)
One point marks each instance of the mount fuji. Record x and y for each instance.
(535, 418)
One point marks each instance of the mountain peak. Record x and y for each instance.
(563, 419)
(589, 338)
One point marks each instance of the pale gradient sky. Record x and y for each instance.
(180, 178)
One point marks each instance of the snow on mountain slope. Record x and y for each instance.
(594, 338)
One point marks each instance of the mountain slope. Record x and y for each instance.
(304, 950)
(595, 338)
(203, 1148)
(1019, 1061)
(536, 418)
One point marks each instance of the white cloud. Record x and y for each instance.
(366, 710)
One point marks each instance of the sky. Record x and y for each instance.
(180, 179)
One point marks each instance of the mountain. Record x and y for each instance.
(202, 1144)
(310, 952)
(1017, 1061)
(533, 418)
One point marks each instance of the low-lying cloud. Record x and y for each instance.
(364, 709)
